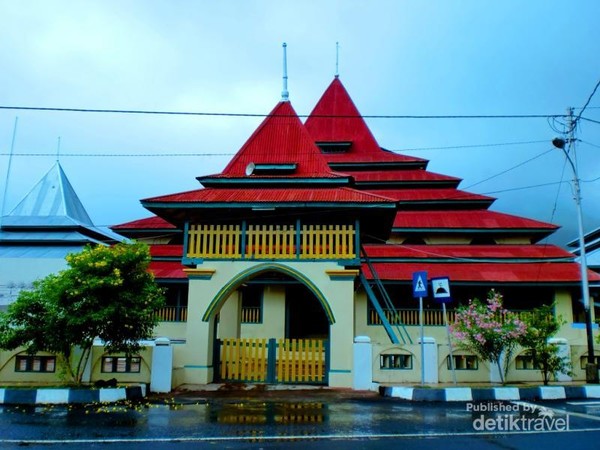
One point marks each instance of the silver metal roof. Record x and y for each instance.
(53, 195)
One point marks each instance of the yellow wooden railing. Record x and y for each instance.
(431, 317)
(251, 314)
(172, 314)
(300, 360)
(271, 242)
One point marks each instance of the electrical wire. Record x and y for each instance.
(587, 102)
(230, 114)
(509, 169)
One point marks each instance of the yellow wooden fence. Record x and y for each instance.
(292, 360)
(300, 360)
(272, 242)
(244, 360)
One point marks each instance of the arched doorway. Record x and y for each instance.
(305, 317)
(286, 341)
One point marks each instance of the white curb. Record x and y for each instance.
(52, 396)
(459, 395)
(405, 393)
(507, 393)
(112, 395)
(552, 393)
(592, 391)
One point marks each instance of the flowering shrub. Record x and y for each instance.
(488, 330)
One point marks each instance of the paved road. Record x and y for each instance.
(305, 423)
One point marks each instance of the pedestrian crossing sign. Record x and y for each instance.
(419, 282)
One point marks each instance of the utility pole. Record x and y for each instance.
(568, 148)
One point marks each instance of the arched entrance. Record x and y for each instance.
(304, 315)
(282, 328)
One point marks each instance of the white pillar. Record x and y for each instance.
(431, 360)
(362, 364)
(564, 351)
(162, 365)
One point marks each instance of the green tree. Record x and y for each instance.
(488, 330)
(542, 324)
(106, 293)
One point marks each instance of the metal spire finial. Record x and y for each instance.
(58, 150)
(337, 59)
(285, 95)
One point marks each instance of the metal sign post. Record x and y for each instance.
(441, 293)
(419, 283)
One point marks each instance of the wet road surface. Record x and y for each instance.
(307, 423)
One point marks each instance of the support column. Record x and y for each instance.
(363, 364)
(430, 362)
(162, 365)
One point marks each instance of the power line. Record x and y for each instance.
(586, 103)
(509, 169)
(151, 155)
(452, 147)
(230, 114)
(590, 120)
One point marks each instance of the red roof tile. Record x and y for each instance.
(416, 195)
(275, 195)
(154, 222)
(336, 118)
(467, 251)
(548, 272)
(167, 270)
(280, 139)
(169, 250)
(399, 175)
(480, 219)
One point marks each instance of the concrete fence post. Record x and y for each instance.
(564, 351)
(362, 369)
(431, 360)
(162, 365)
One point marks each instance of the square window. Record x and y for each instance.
(397, 361)
(463, 362)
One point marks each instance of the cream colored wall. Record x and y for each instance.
(172, 330)
(8, 375)
(229, 317)
(142, 377)
(273, 316)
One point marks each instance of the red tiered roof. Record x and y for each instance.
(335, 118)
(468, 219)
(272, 195)
(537, 272)
(149, 223)
(466, 252)
(443, 194)
(400, 176)
(280, 139)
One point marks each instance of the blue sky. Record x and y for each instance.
(396, 58)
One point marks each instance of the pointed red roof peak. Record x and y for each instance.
(280, 140)
(336, 118)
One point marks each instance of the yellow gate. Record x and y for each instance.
(273, 361)
(244, 360)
